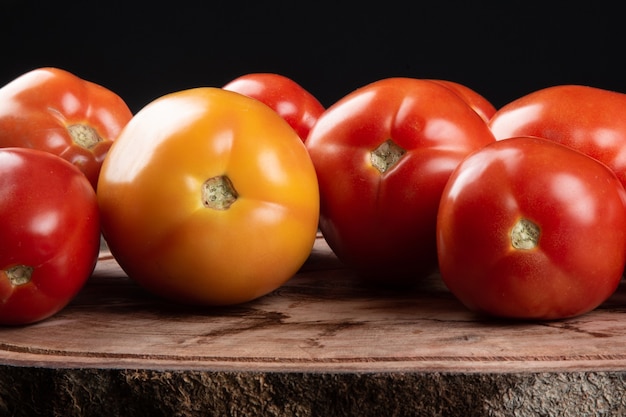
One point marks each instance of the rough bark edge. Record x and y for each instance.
(122, 392)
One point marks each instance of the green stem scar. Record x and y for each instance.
(525, 235)
(218, 193)
(19, 274)
(386, 155)
(84, 136)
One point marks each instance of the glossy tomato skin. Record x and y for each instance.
(164, 231)
(477, 101)
(588, 119)
(55, 111)
(50, 223)
(290, 100)
(579, 207)
(383, 224)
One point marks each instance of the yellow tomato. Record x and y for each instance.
(209, 197)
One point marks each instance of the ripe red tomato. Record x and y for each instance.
(588, 119)
(49, 234)
(477, 101)
(209, 197)
(532, 229)
(53, 110)
(290, 100)
(383, 154)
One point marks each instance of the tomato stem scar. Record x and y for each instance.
(19, 274)
(386, 155)
(218, 193)
(525, 235)
(84, 136)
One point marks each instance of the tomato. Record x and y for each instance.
(53, 110)
(209, 197)
(477, 101)
(531, 229)
(49, 234)
(290, 100)
(588, 119)
(383, 154)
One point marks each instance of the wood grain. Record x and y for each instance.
(322, 320)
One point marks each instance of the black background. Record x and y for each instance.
(142, 50)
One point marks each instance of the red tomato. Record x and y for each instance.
(49, 234)
(383, 154)
(532, 229)
(209, 197)
(289, 99)
(478, 102)
(53, 110)
(588, 119)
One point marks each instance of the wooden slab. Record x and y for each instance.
(322, 345)
(322, 320)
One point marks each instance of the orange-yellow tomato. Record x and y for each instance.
(209, 197)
